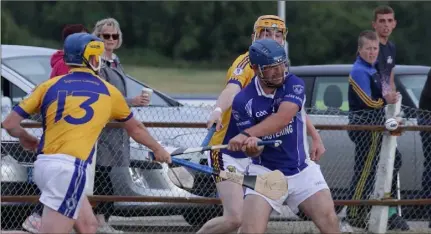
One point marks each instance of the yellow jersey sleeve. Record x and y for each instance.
(32, 103)
(120, 110)
(240, 72)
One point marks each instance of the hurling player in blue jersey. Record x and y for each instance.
(75, 108)
(271, 107)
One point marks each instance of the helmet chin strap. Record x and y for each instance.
(271, 85)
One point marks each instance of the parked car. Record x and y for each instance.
(24, 67)
(337, 164)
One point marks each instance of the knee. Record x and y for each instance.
(234, 220)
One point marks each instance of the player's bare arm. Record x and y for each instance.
(12, 124)
(271, 125)
(276, 122)
(317, 147)
(224, 101)
(392, 81)
(140, 134)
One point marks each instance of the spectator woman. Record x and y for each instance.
(113, 146)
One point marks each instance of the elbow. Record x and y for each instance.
(5, 125)
(11, 128)
(8, 125)
(133, 132)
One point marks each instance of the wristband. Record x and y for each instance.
(218, 109)
(245, 133)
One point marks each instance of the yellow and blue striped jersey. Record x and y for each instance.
(74, 108)
(239, 73)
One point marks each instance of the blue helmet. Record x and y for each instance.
(267, 53)
(79, 47)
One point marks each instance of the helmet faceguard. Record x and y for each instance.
(94, 49)
(270, 25)
(269, 60)
(273, 75)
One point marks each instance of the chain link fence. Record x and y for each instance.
(125, 173)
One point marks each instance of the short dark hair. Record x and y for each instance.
(367, 34)
(382, 10)
(71, 29)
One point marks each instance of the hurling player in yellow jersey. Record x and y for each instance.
(238, 76)
(75, 107)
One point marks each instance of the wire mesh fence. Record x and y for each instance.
(124, 169)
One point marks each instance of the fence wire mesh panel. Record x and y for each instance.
(124, 168)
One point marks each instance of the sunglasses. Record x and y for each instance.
(113, 36)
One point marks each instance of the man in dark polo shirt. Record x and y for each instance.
(384, 23)
(424, 118)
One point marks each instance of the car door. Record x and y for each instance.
(409, 143)
(13, 91)
(329, 102)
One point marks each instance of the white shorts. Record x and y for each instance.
(300, 186)
(61, 179)
(220, 161)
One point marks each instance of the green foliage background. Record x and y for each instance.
(211, 34)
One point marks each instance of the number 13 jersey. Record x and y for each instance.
(74, 108)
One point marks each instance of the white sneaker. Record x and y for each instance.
(32, 223)
(345, 226)
(106, 228)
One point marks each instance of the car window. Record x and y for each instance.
(309, 83)
(13, 92)
(35, 68)
(413, 85)
(332, 92)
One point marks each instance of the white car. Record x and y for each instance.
(24, 67)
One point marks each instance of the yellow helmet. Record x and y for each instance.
(79, 47)
(269, 22)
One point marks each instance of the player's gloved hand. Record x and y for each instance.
(161, 155)
(215, 118)
(236, 143)
(251, 148)
(30, 143)
(317, 149)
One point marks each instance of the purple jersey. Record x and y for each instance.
(251, 106)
